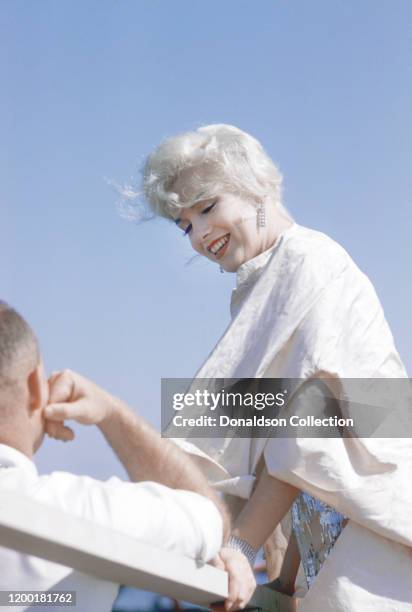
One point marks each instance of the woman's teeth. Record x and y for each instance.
(219, 244)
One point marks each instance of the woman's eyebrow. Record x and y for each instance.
(197, 204)
(205, 202)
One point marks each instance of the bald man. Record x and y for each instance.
(173, 508)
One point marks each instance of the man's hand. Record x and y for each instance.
(242, 581)
(74, 397)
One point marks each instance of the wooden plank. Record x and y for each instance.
(59, 537)
(56, 536)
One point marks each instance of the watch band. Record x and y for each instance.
(244, 547)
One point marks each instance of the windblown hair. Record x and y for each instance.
(18, 345)
(236, 162)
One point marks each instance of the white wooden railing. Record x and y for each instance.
(35, 529)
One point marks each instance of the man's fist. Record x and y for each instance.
(74, 397)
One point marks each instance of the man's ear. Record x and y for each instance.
(38, 388)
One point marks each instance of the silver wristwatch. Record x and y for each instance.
(244, 547)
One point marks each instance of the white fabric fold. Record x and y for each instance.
(300, 309)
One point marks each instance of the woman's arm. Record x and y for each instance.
(269, 503)
(285, 581)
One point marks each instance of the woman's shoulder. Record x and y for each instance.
(309, 259)
(308, 247)
(305, 240)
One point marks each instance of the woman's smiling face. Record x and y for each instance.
(223, 229)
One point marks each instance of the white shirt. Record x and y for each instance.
(179, 521)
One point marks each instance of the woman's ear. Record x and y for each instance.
(38, 388)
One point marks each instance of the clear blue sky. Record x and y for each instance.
(89, 87)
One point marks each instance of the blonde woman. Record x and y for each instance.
(301, 310)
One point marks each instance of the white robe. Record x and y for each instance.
(301, 308)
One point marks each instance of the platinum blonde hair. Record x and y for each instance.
(234, 160)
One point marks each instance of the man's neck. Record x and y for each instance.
(15, 439)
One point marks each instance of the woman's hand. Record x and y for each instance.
(242, 581)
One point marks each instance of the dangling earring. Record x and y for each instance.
(261, 215)
(221, 270)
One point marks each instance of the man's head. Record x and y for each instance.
(23, 386)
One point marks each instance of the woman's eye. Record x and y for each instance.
(208, 208)
(188, 228)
